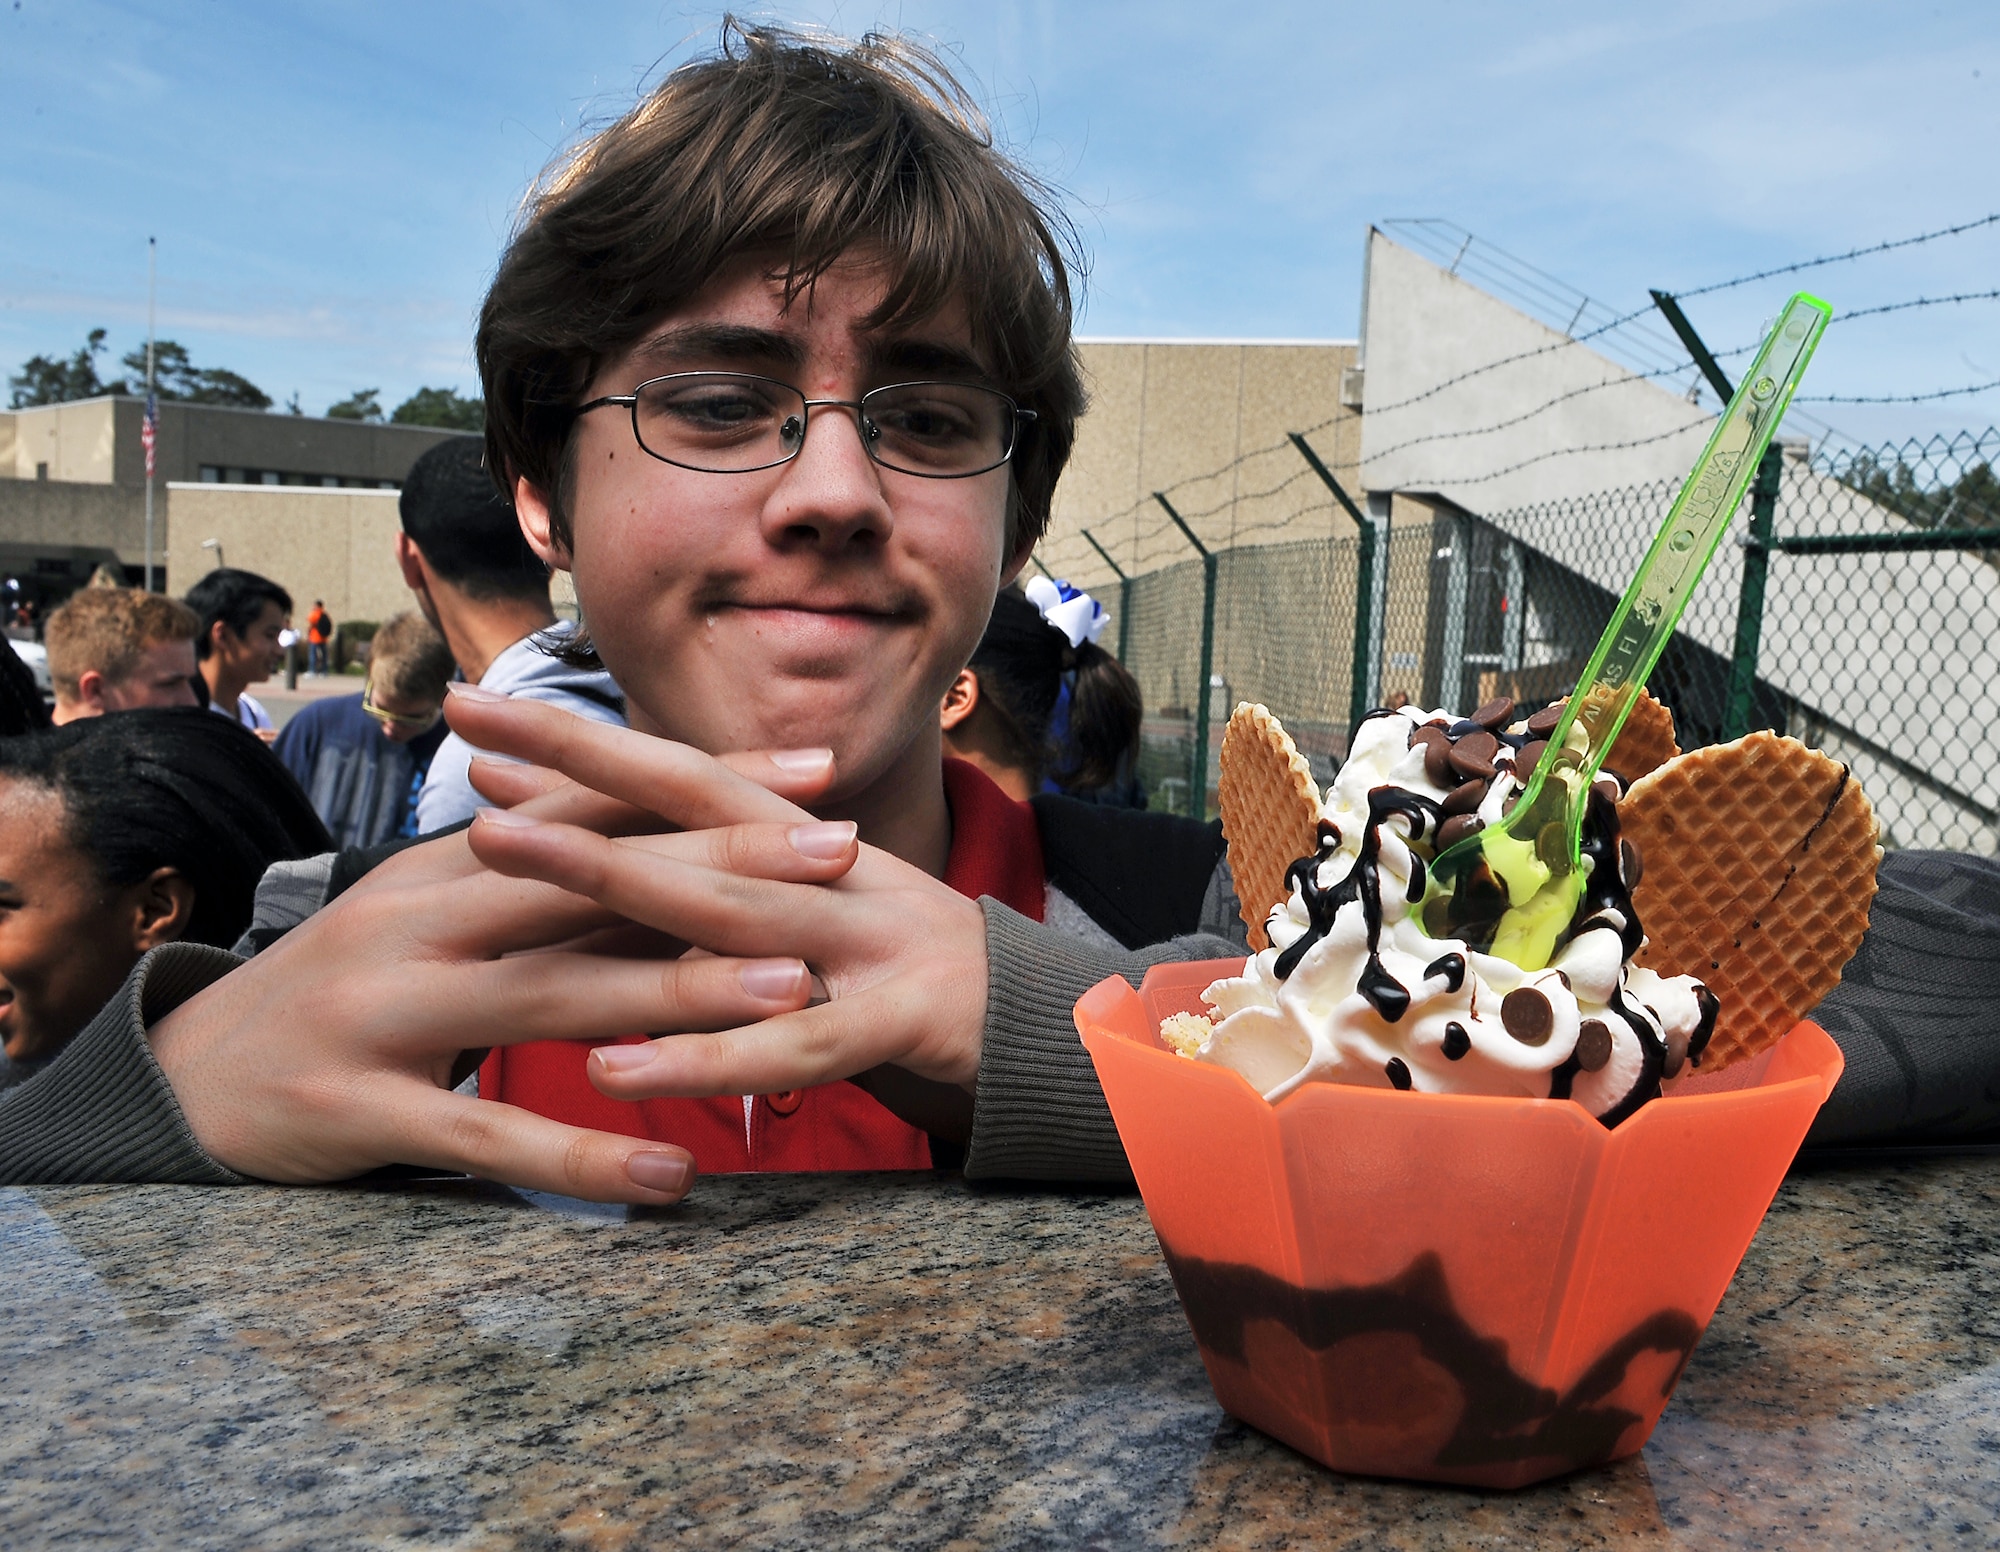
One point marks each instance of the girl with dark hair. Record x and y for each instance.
(1041, 707)
(118, 834)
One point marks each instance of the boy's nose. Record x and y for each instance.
(831, 490)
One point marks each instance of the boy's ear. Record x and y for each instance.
(531, 508)
(410, 561)
(960, 701)
(90, 691)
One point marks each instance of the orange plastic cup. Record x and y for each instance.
(1448, 1287)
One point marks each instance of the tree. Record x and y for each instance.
(61, 380)
(362, 404)
(441, 407)
(177, 377)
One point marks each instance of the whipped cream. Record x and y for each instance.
(1354, 990)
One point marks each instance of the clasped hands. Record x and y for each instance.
(621, 883)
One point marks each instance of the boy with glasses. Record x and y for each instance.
(748, 367)
(362, 758)
(778, 367)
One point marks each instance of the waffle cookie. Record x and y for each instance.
(1758, 868)
(1270, 812)
(1644, 743)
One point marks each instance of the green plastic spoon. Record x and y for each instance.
(1534, 852)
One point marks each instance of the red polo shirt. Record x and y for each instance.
(995, 850)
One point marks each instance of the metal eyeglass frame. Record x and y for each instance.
(869, 433)
(388, 718)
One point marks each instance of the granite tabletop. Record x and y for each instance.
(888, 1361)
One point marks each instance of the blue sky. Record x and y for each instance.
(330, 183)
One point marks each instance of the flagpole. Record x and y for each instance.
(152, 296)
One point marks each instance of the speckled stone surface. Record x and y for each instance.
(880, 1361)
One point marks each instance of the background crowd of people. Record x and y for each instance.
(147, 802)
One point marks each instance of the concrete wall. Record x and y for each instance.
(338, 545)
(43, 523)
(1466, 396)
(1205, 422)
(96, 441)
(76, 442)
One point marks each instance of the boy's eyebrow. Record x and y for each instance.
(673, 348)
(924, 358)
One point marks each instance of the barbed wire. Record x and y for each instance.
(1452, 480)
(1841, 258)
(1494, 366)
(1143, 540)
(1900, 398)
(1921, 301)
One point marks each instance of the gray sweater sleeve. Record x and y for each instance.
(1038, 1112)
(103, 1110)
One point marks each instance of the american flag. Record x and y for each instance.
(149, 432)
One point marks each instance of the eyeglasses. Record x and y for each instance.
(422, 722)
(736, 423)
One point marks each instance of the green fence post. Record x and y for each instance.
(1198, 758)
(1741, 707)
(1124, 596)
(1362, 694)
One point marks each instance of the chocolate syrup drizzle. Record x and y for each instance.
(1605, 891)
(1387, 995)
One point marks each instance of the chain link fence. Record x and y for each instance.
(1856, 606)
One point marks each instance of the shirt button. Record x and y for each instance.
(784, 1104)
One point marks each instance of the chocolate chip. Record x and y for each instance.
(1437, 764)
(1456, 1041)
(1399, 1073)
(1529, 757)
(1466, 798)
(1494, 715)
(1457, 828)
(1543, 722)
(1527, 1015)
(1630, 868)
(1593, 1045)
(1552, 845)
(1677, 1052)
(1428, 733)
(1611, 784)
(1473, 754)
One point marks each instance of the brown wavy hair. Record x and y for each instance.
(805, 147)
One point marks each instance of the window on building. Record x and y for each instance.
(41, 471)
(211, 474)
(268, 477)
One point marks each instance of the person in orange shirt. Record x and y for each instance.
(319, 638)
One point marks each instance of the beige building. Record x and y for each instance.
(96, 442)
(1205, 423)
(73, 477)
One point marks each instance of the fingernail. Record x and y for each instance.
(472, 692)
(622, 1058)
(507, 819)
(823, 841)
(802, 762)
(773, 980)
(667, 1172)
